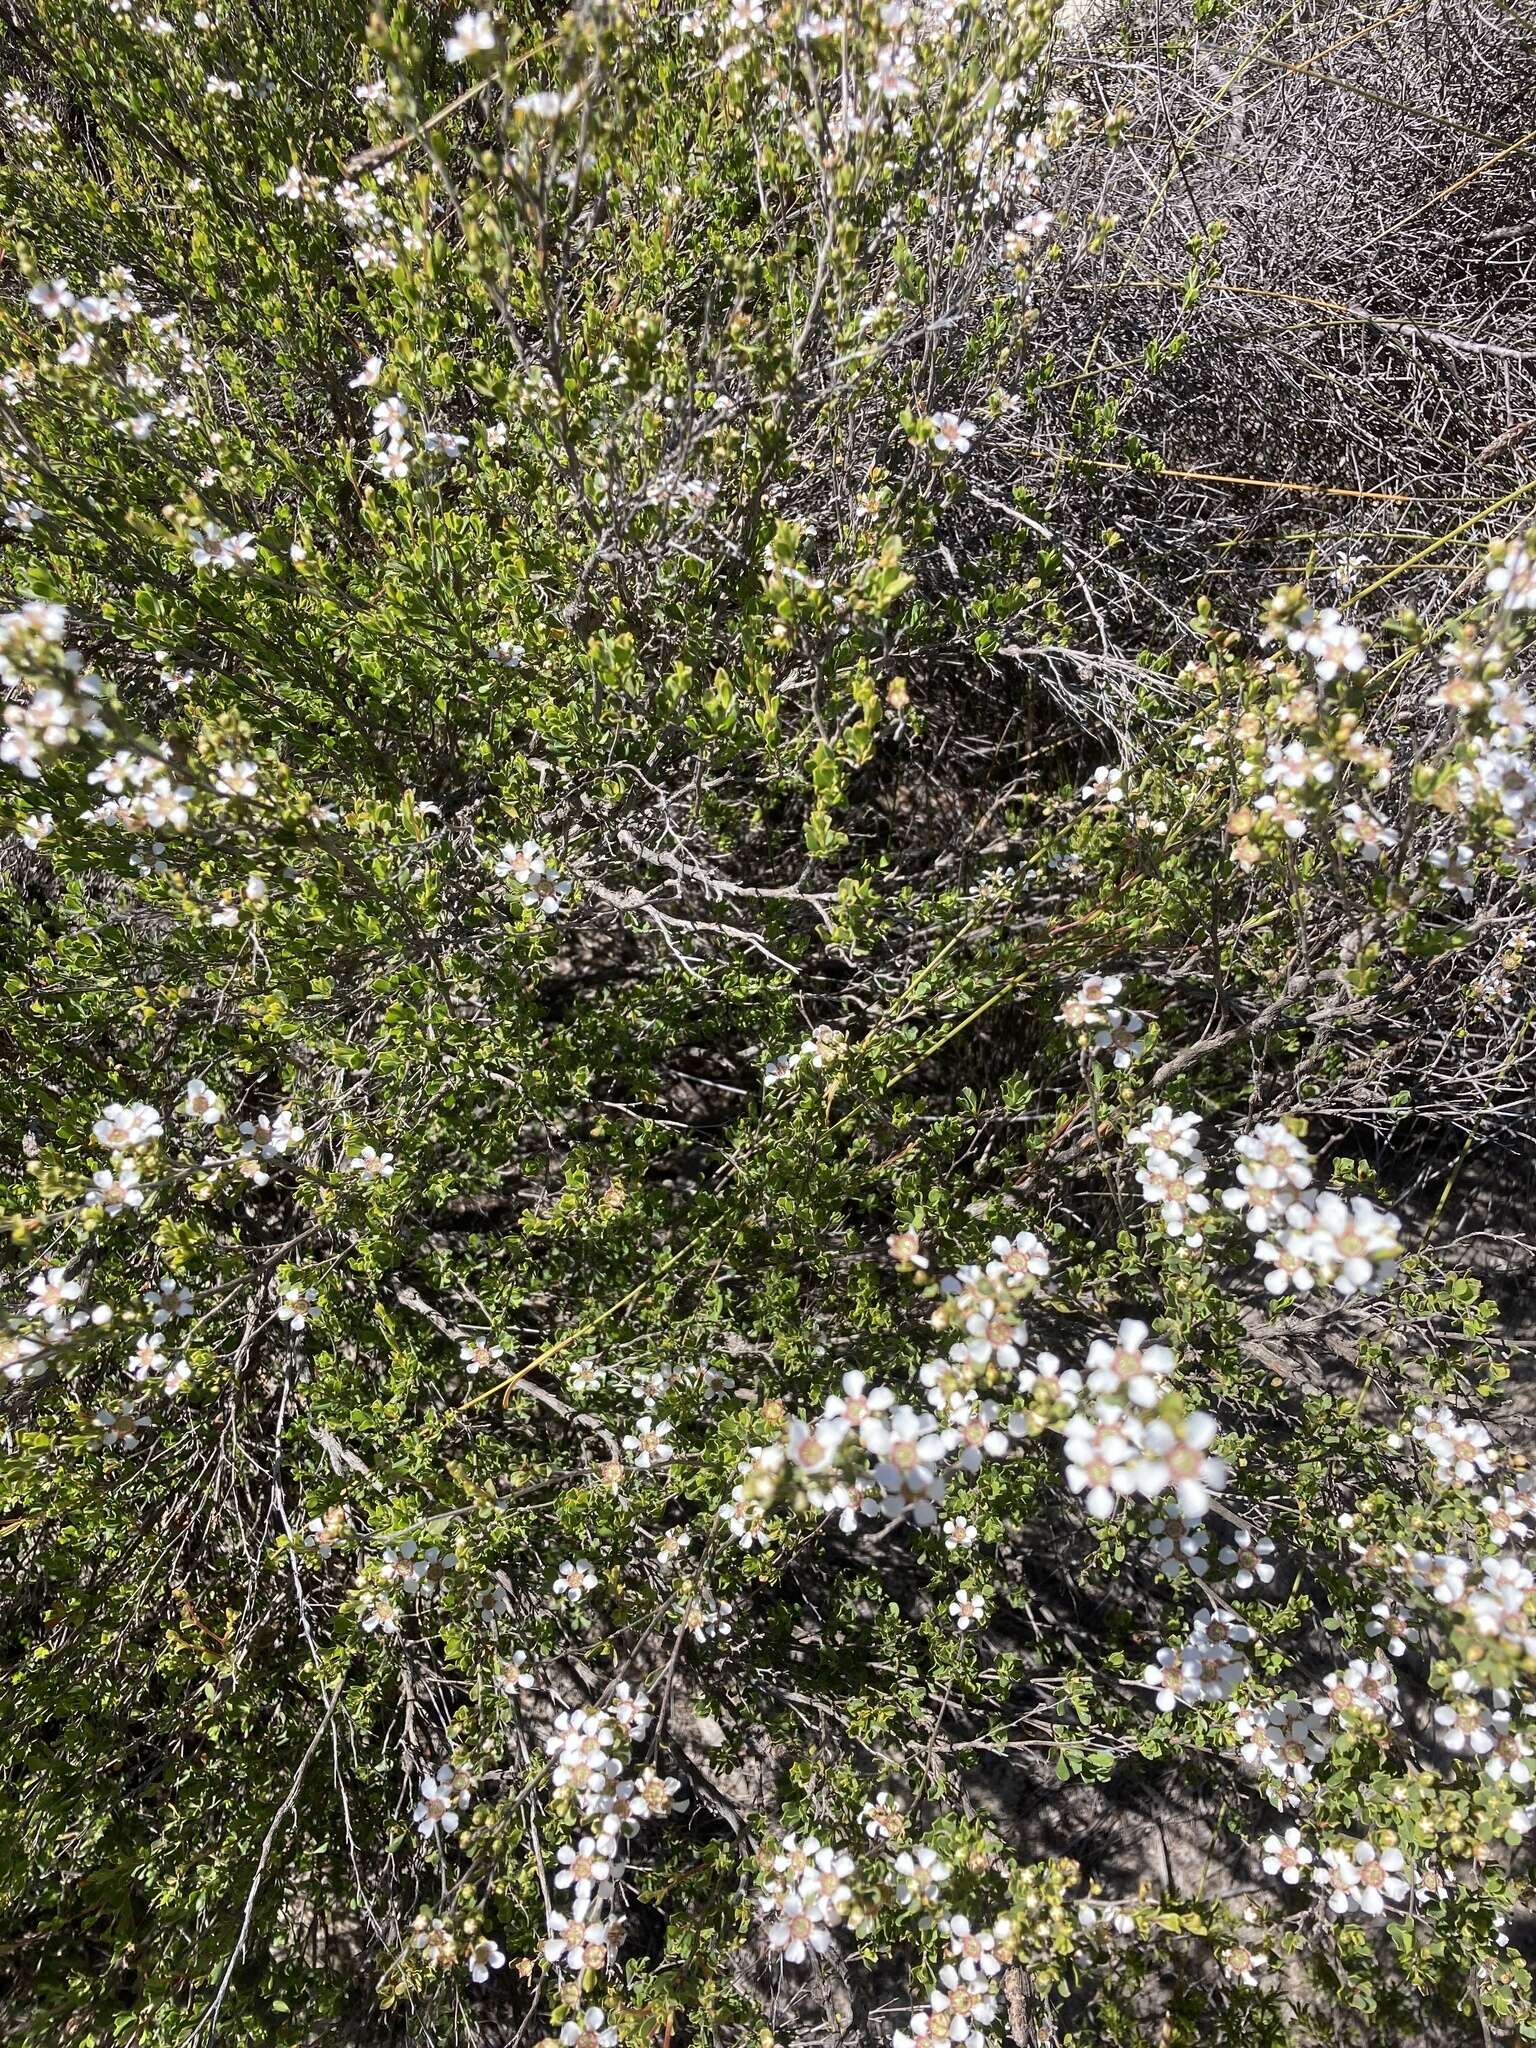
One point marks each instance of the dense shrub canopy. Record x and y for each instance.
(766, 915)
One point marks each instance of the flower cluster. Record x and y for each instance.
(533, 877)
(824, 1048)
(804, 1896)
(1209, 1665)
(383, 238)
(52, 698)
(1309, 742)
(52, 1314)
(1493, 761)
(1329, 1241)
(591, 1748)
(1306, 1237)
(1124, 1429)
(1173, 1172)
(1101, 1022)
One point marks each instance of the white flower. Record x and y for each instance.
(1021, 1262)
(589, 2031)
(1508, 1515)
(213, 548)
(169, 1300)
(1105, 786)
(968, 1609)
(1209, 1666)
(52, 1295)
(381, 1615)
(114, 1191)
(1351, 1246)
(393, 461)
(53, 299)
(1130, 1368)
(1245, 1965)
(125, 1130)
(147, 1359)
(1288, 1255)
(1465, 1725)
(973, 1950)
(859, 1405)
(390, 416)
(1364, 831)
(908, 1452)
(1174, 1455)
(479, 1356)
(584, 1376)
(1165, 1130)
(272, 1137)
(531, 871)
(1360, 1688)
(1499, 1603)
(1173, 1186)
(484, 1956)
(1118, 1035)
(1462, 1450)
(797, 1935)
(1293, 765)
(1391, 1629)
(1512, 581)
(574, 1580)
(202, 1105)
(294, 1305)
(578, 1944)
(1359, 1874)
(372, 1165)
(121, 1426)
(445, 1794)
(1333, 644)
(473, 35)
(492, 1603)
(1275, 1167)
(920, 1876)
(323, 1532)
(237, 778)
(1510, 1753)
(1099, 1463)
(513, 1674)
(1093, 1003)
(1285, 1739)
(1247, 1557)
(585, 1868)
(892, 76)
(419, 1567)
(1180, 1549)
(1457, 869)
(647, 1444)
(1359, 1242)
(952, 435)
(1286, 1856)
(1443, 1577)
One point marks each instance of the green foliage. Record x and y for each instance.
(431, 835)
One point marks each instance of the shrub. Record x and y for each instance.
(753, 1173)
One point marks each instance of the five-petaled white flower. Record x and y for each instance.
(474, 35)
